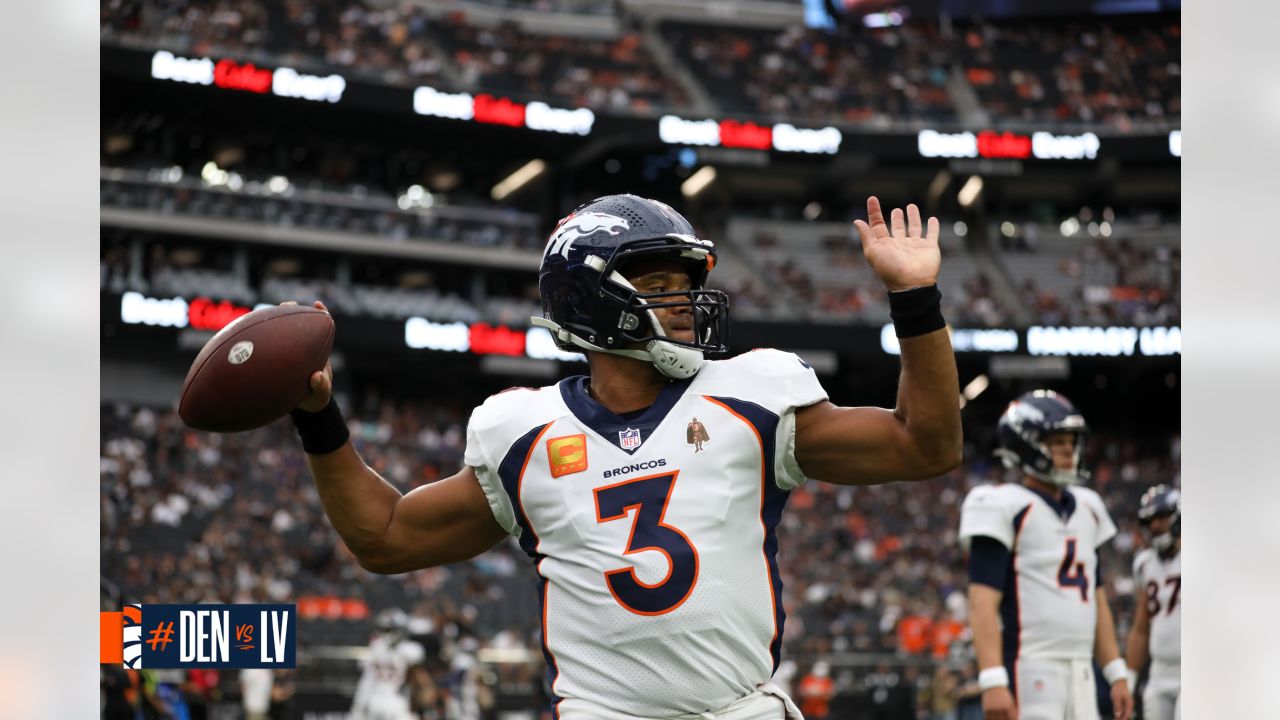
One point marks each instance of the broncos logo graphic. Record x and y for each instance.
(582, 225)
(133, 636)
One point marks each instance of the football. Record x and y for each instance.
(256, 369)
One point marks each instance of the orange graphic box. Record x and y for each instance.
(567, 454)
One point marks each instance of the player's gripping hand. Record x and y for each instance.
(321, 381)
(904, 254)
(1121, 700)
(998, 704)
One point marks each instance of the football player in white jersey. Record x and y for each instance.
(660, 591)
(1038, 609)
(1157, 621)
(380, 693)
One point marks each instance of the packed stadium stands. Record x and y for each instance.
(617, 74)
(888, 75)
(1116, 75)
(1103, 73)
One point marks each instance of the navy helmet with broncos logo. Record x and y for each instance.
(588, 304)
(1161, 501)
(1025, 424)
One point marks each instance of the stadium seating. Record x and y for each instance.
(1103, 73)
(882, 76)
(1121, 75)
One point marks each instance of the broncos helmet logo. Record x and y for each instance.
(1023, 416)
(582, 225)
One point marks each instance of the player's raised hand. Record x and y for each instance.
(904, 254)
(321, 381)
(998, 704)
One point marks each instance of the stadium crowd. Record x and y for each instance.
(403, 44)
(619, 75)
(1095, 72)
(1112, 73)
(336, 34)
(877, 571)
(885, 75)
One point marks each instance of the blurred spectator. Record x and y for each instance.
(943, 694)
(255, 693)
(815, 692)
(120, 696)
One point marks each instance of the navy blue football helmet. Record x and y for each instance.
(1161, 501)
(1021, 433)
(588, 304)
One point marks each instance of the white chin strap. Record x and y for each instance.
(1062, 478)
(674, 361)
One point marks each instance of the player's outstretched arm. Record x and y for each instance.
(920, 438)
(444, 522)
(440, 523)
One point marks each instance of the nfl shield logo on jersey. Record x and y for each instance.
(629, 439)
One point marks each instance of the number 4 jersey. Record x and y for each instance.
(652, 532)
(1048, 610)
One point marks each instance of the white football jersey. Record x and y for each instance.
(660, 588)
(1048, 610)
(1159, 585)
(379, 694)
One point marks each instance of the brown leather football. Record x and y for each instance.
(256, 369)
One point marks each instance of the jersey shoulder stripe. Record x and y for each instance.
(775, 380)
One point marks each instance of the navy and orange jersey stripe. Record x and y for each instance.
(1010, 611)
(511, 471)
(772, 500)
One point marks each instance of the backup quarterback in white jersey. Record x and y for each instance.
(1039, 611)
(648, 493)
(380, 693)
(1157, 623)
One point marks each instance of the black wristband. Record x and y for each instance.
(322, 432)
(917, 311)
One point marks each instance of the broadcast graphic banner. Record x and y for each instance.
(200, 636)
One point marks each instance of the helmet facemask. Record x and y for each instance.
(632, 318)
(1064, 477)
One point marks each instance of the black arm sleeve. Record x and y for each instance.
(988, 562)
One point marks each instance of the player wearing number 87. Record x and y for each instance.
(1037, 605)
(1157, 622)
(659, 583)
